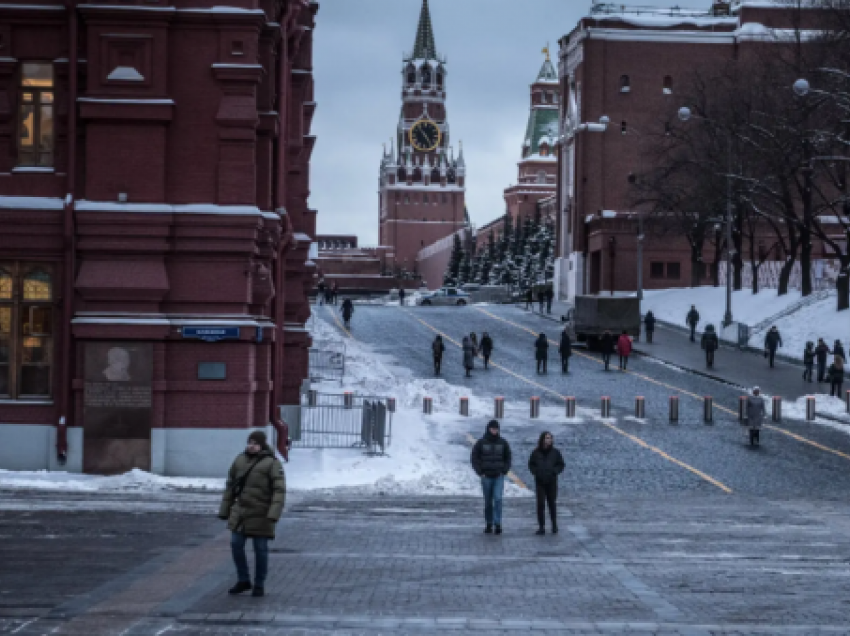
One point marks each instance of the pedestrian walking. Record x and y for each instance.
(252, 503)
(347, 311)
(606, 346)
(468, 356)
(401, 295)
(692, 320)
(649, 324)
(545, 464)
(821, 352)
(328, 296)
(550, 296)
(474, 340)
(320, 292)
(334, 292)
(566, 351)
(838, 350)
(836, 376)
(486, 348)
(541, 352)
(710, 343)
(541, 299)
(491, 461)
(755, 415)
(808, 360)
(772, 341)
(438, 348)
(529, 298)
(624, 349)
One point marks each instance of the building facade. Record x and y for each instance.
(537, 171)
(154, 183)
(628, 64)
(422, 183)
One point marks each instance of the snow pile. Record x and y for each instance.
(428, 455)
(818, 320)
(134, 481)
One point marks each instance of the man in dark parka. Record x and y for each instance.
(252, 504)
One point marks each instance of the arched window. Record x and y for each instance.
(435, 176)
(440, 74)
(668, 85)
(541, 176)
(544, 149)
(425, 198)
(407, 199)
(426, 76)
(411, 74)
(26, 331)
(625, 84)
(624, 127)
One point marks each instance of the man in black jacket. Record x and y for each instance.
(821, 352)
(771, 342)
(546, 463)
(491, 461)
(692, 320)
(566, 350)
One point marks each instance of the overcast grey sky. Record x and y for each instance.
(494, 53)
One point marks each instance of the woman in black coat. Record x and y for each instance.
(486, 348)
(541, 351)
(566, 350)
(649, 322)
(546, 463)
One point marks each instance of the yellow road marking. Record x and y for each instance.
(636, 440)
(340, 325)
(799, 438)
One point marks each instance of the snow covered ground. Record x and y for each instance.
(818, 320)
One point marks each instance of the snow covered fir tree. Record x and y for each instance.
(523, 255)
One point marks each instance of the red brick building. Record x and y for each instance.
(628, 64)
(154, 176)
(423, 185)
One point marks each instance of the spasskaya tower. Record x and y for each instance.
(423, 184)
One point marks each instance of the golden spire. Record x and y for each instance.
(545, 51)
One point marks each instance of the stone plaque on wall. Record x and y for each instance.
(117, 402)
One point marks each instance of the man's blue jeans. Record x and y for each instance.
(493, 488)
(261, 555)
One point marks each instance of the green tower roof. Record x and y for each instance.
(425, 48)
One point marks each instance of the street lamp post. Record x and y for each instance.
(633, 180)
(685, 115)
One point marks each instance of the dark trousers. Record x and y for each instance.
(438, 362)
(821, 370)
(606, 358)
(649, 337)
(624, 360)
(807, 373)
(693, 332)
(541, 363)
(835, 387)
(486, 360)
(565, 364)
(528, 304)
(754, 436)
(548, 306)
(709, 358)
(771, 354)
(547, 494)
(261, 556)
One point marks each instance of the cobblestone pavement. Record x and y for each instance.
(650, 543)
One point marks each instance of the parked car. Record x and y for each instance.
(445, 296)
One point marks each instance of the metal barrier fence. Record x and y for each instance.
(327, 363)
(340, 421)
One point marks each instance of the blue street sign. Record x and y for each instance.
(211, 334)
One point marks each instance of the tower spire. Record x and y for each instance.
(424, 48)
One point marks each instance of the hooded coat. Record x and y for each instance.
(649, 321)
(772, 341)
(468, 354)
(491, 455)
(566, 346)
(709, 340)
(438, 347)
(255, 510)
(486, 345)
(541, 347)
(624, 346)
(606, 343)
(755, 411)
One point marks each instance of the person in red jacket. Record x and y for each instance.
(624, 349)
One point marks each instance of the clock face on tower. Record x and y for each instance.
(425, 135)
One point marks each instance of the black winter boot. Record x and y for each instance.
(240, 587)
(259, 591)
(498, 529)
(554, 528)
(541, 531)
(488, 529)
